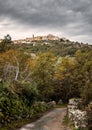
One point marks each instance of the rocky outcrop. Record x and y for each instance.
(77, 117)
(60, 102)
(51, 104)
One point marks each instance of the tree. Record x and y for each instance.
(43, 74)
(15, 66)
(7, 39)
(65, 80)
(6, 42)
(84, 69)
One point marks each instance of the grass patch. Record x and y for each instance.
(66, 120)
(61, 106)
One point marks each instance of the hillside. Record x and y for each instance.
(58, 47)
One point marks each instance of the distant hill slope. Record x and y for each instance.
(59, 48)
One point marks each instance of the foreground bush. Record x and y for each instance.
(13, 106)
(23, 105)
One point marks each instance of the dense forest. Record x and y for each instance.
(45, 72)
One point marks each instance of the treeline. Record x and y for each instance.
(26, 79)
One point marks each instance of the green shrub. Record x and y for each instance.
(39, 107)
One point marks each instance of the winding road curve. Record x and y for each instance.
(50, 121)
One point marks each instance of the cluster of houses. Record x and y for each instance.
(31, 40)
(37, 38)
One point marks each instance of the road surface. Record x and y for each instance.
(50, 121)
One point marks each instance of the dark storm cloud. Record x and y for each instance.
(71, 16)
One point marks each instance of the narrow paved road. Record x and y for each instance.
(50, 121)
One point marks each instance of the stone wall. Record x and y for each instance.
(89, 115)
(76, 116)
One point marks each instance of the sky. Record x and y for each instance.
(65, 18)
